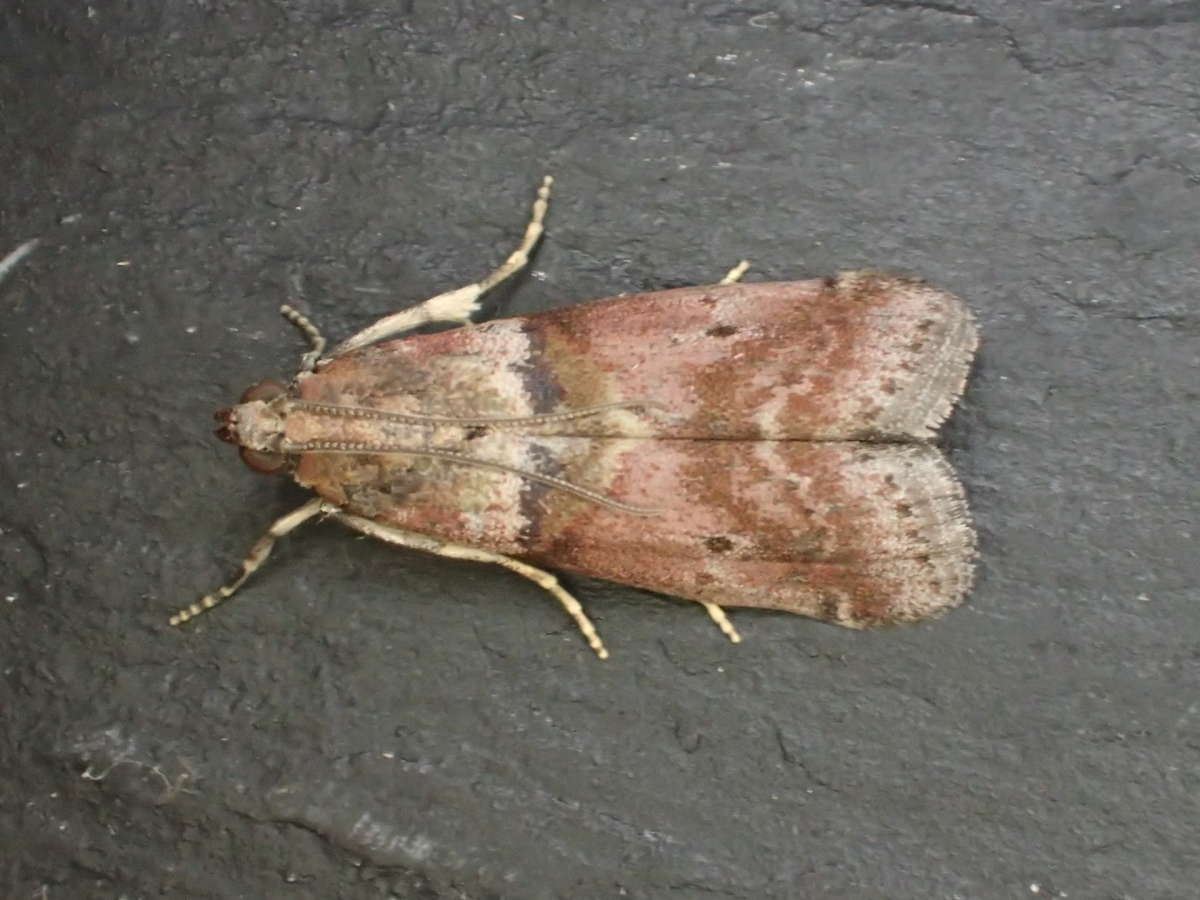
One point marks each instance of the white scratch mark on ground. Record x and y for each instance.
(10, 262)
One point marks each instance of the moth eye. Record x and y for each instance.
(263, 461)
(264, 390)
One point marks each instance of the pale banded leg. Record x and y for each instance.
(736, 273)
(718, 615)
(424, 542)
(256, 557)
(316, 340)
(459, 304)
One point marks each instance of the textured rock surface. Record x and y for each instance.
(363, 722)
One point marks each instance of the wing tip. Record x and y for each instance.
(939, 577)
(944, 338)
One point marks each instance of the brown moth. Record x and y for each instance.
(763, 444)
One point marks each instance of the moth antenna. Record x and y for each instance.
(450, 456)
(383, 415)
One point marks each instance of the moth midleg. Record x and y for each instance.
(316, 340)
(256, 557)
(519, 258)
(736, 273)
(540, 577)
(459, 304)
(718, 615)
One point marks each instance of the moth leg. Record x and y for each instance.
(718, 615)
(459, 304)
(316, 340)
(541, 578)
(519, 258)
(256, 557)
(736, 273)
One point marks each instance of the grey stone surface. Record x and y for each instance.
(364, 722)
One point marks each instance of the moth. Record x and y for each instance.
(736, 444)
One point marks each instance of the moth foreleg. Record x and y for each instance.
(254, 559)
(457, 305)
(718, 615)
(316, 340)
(541, 578)
(736, 273)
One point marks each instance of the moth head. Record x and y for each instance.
(256, 425)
